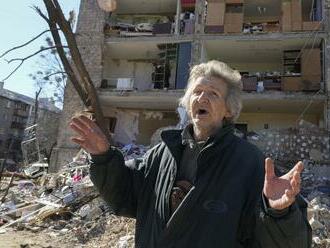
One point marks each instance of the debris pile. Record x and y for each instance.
(316, 189)
(133, 151)
(311, 145)
(64, 205)
(319, 219)
(305, 142)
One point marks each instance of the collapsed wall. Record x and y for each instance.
(306, 143)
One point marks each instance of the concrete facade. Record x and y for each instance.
(13, 121)
(17, 113)
(112, 56)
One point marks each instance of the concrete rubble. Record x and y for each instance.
(311, 145)
(66, 206)
(316, 189)
(307, 142)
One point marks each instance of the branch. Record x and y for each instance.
(92, 101)
(23, 60)
(25, 44)
(85, 86)
(13, 71)
(55, 73)
(36, 105)
(38, 92)
(38, 10)
(67, 66)
(58, 62)
(75, 53)
(34, 54)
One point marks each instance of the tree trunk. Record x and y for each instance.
(82, 82)
(36, 106)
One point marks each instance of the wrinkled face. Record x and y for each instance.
(208, 103)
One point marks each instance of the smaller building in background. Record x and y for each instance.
(17, 112)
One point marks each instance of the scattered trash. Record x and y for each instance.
(62, 204)
(36, 170)
(132, 151)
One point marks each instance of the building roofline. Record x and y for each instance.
(14, 96)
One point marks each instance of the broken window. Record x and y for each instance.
(112, 124)
(163, 65)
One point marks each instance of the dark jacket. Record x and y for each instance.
(223, 209)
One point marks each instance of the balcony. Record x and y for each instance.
(129, 7)
(282, 64)
(17, 125)
(148, 100)
(141, 18)
(255, 17)
(253, 102)
(275, 62)
(150, 65)
(152, 18)
(283, 102)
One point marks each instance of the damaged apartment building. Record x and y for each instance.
(139, 57)
(17, 114)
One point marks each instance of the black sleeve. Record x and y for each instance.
(290, 229)
(273, 229)
(119, 182)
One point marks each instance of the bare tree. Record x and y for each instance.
(73, 65)
(50, 72)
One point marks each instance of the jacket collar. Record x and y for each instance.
(221, 133)
(174, 139)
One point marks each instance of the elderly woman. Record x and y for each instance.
(201, 186)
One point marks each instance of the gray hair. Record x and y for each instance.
(217, 69)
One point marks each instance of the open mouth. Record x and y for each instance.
(201, 112)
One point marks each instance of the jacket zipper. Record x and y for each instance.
(168, 193)
(176, 210)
